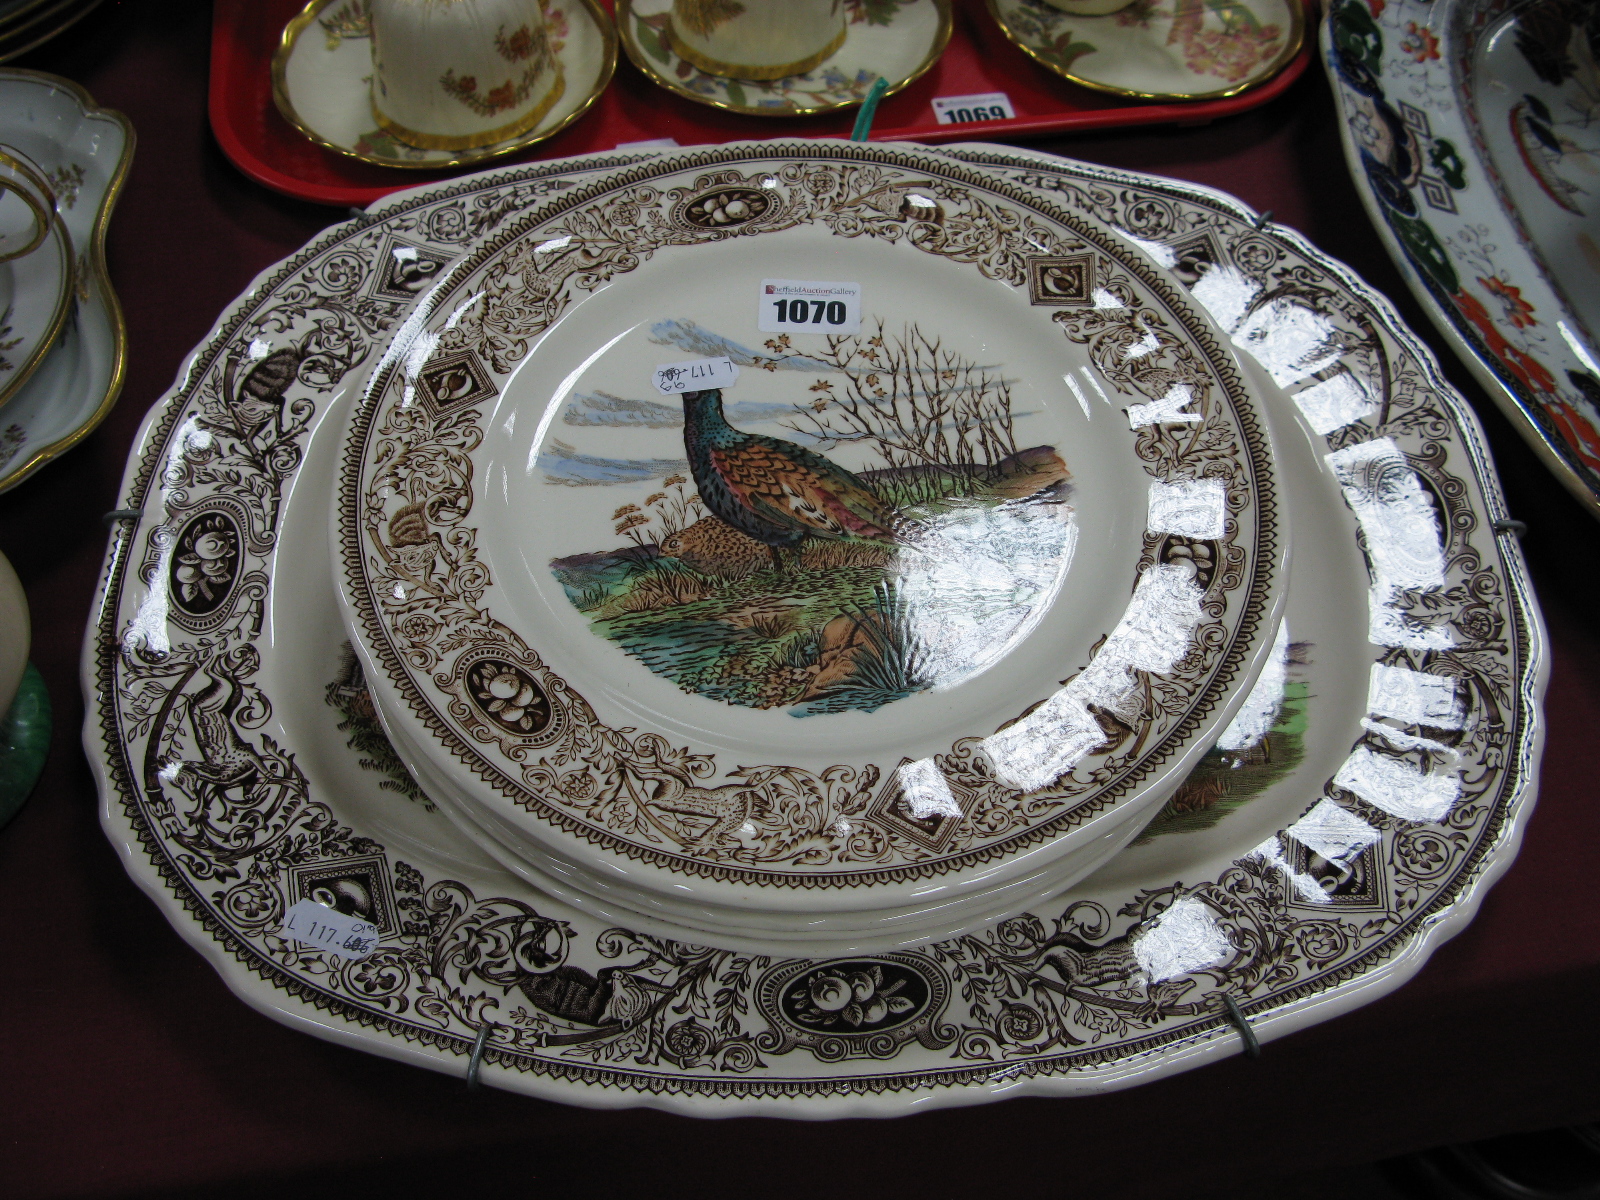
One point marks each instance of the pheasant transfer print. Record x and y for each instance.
(763, 573)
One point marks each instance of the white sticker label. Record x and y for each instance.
(958, 110)
(809, 306)
(696, 375)
(323, 928)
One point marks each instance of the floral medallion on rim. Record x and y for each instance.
(419, 533)
(855, 1008)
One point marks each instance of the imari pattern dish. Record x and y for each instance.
(84, 152)
(893, 40)
(1307, 866)
(891, 624)
(1151, 50)
(322, 82)
(1470, 128)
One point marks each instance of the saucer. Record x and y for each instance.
(321, 78)
(1309, 869)
(84, 152)
(1048, 593)
(897, 41)
(1159, 49)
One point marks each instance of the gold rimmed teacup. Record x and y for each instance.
(756, 39)
(323, 62)
(461, 74)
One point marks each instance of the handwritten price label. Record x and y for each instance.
(808, 306)
(958, 110)
(696, 375)
(323, 928)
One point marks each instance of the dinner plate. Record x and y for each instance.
(893, 40)
(1012, 563)
(1470, 128)
(1188, 50)
(85, 152)
(242, 768)
(322, 76)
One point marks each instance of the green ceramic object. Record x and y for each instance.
(24, 742)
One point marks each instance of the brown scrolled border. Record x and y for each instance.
(1257, 460)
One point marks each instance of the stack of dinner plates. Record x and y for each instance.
(764, 562)
(799, 543)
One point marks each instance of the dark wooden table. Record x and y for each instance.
(127, 1069)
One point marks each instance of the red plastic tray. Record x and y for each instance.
(979, 59)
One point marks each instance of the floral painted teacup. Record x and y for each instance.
(756, 39)
(458, 74)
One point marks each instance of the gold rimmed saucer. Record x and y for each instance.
(1160, 49)
(321, 73)
(898, 41)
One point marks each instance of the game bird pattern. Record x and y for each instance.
(775, 491)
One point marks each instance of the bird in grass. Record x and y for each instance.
(772, 490)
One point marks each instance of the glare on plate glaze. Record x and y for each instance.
(1182, 50)
(1264, 743)
(897, 40)
(84, 152)
(1047, 700)
(1299, 906)
(1470, 132)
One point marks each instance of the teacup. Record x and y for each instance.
(458, 74)
(756, 39)
(27, 206)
